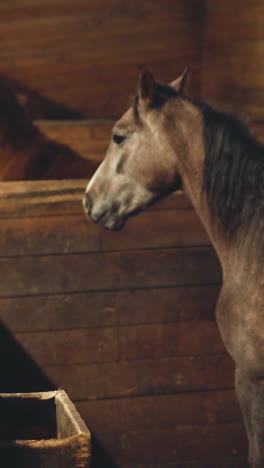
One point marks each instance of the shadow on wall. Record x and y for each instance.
(19, 373)
(26, 153)
(100, 458)
(38, 107)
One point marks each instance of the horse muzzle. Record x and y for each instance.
(102, 214)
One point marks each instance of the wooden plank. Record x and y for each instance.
(163, 411)
(108, 308)
(54, 197)
(48, 235)
(182, 444)
(202, 411)
(170, 228)
(164, 340)
(135, 378)
(92, 49)
(70, 347)
(88, 138)
(179, 445)
(73, 233)
(23, 276)
(234, 42)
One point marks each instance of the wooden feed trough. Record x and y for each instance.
(42, 430)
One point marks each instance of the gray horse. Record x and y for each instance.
(166, 142)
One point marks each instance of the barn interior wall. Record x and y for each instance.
(233, 59)
(124, 322)
(86, 55)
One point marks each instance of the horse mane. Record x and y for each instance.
(233, 176)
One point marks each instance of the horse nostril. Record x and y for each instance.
(87, 203)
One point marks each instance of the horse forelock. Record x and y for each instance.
(233, 173)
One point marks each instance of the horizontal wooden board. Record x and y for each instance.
(70, 347)
(87, 138)
(54, 197)
(178, 446)
(112, 421)
(135, 378)
(163, 411)
(73, 233)
(234, 42)
(86, 56)
(108, 308)
(24, 276)
(157, 341)
(182, 444)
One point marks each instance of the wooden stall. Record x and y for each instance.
(124, 322)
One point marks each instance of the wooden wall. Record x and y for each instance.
(85, 54)
(233, 58)
(124, 322)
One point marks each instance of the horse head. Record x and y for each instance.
(139, 166)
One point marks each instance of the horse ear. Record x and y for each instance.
(146, 87)
(179, 83)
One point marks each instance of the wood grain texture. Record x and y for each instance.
(163, 411)
(75, 233)
(233, 65)
(108, 271)
(144, 377)
(88, 138)
(124, 323)
(175, 443)
(58, 197)
(71, 347)
(108, 308)
(86, 56)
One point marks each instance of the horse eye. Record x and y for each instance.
(118, 139)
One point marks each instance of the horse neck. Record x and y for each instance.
(188, 146)
(238, 257)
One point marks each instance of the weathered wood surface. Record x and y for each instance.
(41, 430)
(123, 321)
(108, 308)
(86, 55)
(89, 138)
(82, 346)
(233, 64)
(144, 377)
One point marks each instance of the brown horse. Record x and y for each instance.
(25, 153)
(166, 142)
